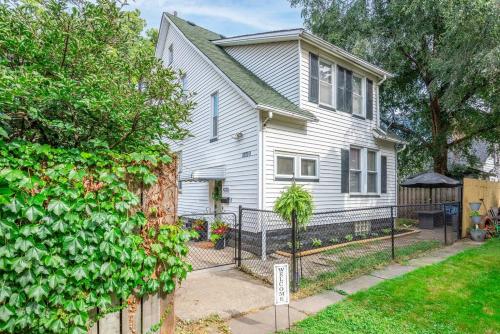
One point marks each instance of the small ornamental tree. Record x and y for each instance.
(295, 198)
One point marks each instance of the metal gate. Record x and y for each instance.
(217, 242)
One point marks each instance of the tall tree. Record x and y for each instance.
(445, 56)
(76, 72)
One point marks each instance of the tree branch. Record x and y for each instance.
(409, 132)
(471, 135)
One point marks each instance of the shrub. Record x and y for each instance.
(295, 198)
(316, 242)
(218, 230)
(70, 239)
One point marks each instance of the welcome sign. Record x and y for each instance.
(281, 284)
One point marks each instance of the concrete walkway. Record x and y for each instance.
(262, 321)
(224, 291)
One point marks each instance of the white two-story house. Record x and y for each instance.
(273, 108)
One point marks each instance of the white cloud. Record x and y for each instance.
(258, 14)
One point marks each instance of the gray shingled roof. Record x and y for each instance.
(256, 89)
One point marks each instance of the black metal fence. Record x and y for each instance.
(342, 241)
(216, 244)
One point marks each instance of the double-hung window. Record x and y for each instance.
(355, 170)
(215, 114)
(296, 166)
(372, 172)
(184, 88)
(357, 95)
(325, 83)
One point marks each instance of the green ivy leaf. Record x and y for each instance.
(14, 205)
(78, 330)
(5, 313)
(32, 213)
(4, 292)
(37, 292)
(57, 326)
(57, 207)
(80, 273)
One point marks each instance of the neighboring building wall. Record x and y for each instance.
(478, 191)
(235, 115)
(334, 131)
(277, 64)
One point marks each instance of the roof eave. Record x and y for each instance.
(385, 137)
(286, 113)
(281, 36)
(341, 53)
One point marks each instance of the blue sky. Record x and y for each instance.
(227, 17)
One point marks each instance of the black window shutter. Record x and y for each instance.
(383, 174)
(313, 78)
(369, 99)
(344, 171)
(348, 91)
(340, 88)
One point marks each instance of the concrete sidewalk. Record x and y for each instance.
(262, 321)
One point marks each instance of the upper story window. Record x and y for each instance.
(349, 92)
(170, 54)
(215, 114)
(296, 166)
(184, 87)
(357, 95)
(325, 83)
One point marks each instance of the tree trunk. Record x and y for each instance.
(439, 137)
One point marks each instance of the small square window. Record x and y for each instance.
(308, 167)
(364, 227)
(285, 166)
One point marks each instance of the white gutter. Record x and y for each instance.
(284, 112)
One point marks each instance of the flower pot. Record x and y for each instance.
(477, 234)
(220, 244)
(475, 219)
(474, 206)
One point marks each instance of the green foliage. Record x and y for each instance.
(445, 57)
(474, 214)
(218, 229)
(349, 237)
(298, 199)
(73, 72)
(316, 242)
(69, 237)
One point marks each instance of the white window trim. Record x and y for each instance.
(316, 159)
(360, 170)
(212, 109)
(377, 171)
(364, 170)
(297, 172)
(333, 68)
(285, 155)
(363, 95)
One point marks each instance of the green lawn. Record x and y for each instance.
(459, 295)
(351, 266)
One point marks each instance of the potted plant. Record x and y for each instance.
(476, 233)
(475, 217)
(200, 226)
(474, 206)
(218, 231)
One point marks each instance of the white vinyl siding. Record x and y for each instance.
(326, 138)
(197, 151)
(277, 64)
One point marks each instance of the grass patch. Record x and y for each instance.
(350, 266)
(458, 295)
(210, 325)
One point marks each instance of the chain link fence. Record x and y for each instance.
(216, 244)
(342, 243)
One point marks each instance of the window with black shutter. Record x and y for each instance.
(344, 171)
(383, 174)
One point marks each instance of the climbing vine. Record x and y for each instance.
(71, 239)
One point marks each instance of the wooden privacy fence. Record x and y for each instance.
(409, 196)
(159, 204)
(480, 191)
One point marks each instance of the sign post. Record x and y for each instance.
(281, 290)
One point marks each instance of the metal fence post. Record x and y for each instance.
(444, 221)
(294, 252)
(392, 233)
(240, 216)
